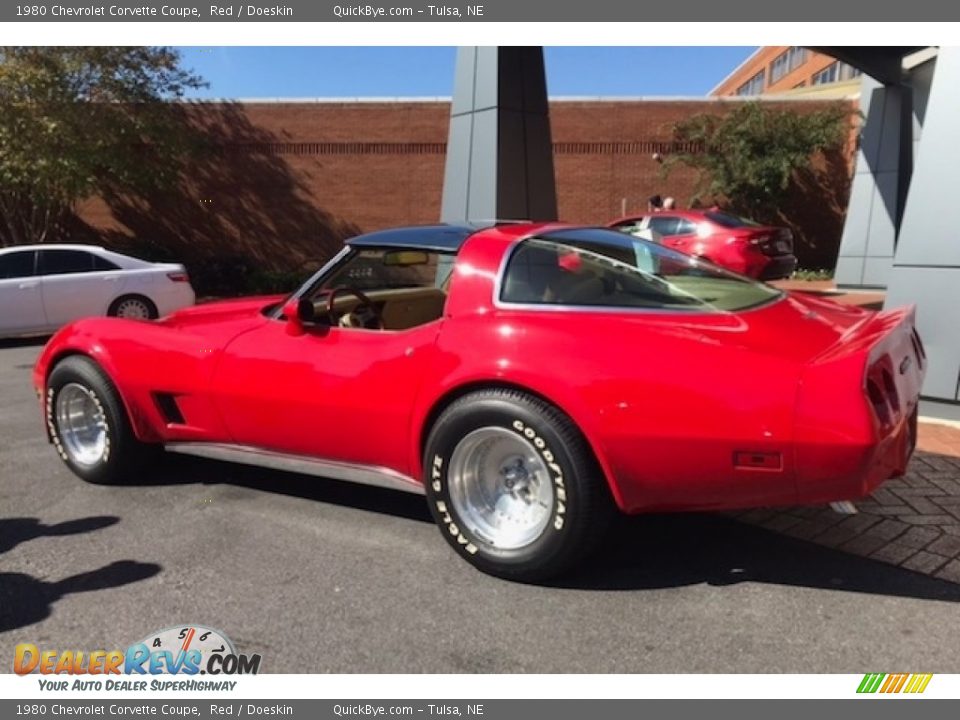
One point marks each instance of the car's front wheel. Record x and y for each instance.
(513, 485)
(88, 424)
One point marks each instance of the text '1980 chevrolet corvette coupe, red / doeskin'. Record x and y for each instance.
(529, 378)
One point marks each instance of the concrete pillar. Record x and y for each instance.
(499, 151)
(926, 269)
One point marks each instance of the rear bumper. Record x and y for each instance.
(780, 266)
(857, 409)
(866, 467)
(176, 297)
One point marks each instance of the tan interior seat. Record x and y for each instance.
(402, 308)
(405, 309)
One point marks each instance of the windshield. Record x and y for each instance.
(390, 269)
(605, 268)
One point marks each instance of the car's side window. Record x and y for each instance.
(590, 267)
(686, 227)
(385, 288)
(665, 225)
(63, 262)
(392, 269)
(630, 227)
(102, 264)
(17, 264)
(586, 274)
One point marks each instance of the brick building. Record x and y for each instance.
(280, 183)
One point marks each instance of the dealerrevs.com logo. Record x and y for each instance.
(181, 650)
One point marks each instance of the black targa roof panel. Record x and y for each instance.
(443, 238)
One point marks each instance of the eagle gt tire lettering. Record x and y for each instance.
(513, 485)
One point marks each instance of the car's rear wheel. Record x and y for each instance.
(133, 307)
(514, 486)
(88, 423)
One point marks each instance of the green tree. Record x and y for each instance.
(748, 156)
(76, 121)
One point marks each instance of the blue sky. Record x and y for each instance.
(259, 72)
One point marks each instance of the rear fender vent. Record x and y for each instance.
(167, 403)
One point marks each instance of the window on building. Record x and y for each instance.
(753, 86)
(827, 75)
(797, 56)
(849, 72)
(835, 72)
(780, 66)
(786, 62)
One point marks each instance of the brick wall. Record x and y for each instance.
(277, 183)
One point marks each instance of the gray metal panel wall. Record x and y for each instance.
(926, 269)
(870, 230)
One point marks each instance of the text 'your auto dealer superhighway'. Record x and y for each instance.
(146, 11)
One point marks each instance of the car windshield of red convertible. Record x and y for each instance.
(603, 268)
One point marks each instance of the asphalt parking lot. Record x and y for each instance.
(320, 576)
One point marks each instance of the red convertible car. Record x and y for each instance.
(744, 246)
(528, 378)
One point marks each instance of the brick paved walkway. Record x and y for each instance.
(912, 522)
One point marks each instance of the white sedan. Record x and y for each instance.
(43, 287)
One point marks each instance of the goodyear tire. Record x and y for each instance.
(513, 485)
(88, 424)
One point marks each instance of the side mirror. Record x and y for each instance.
(293, 314)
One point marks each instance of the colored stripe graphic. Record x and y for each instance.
(893, 683)
(188, 640)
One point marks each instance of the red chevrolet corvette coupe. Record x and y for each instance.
(529, 378)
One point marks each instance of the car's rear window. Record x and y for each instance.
(729, 220)
(604, 268)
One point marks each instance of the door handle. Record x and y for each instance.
(25, 285)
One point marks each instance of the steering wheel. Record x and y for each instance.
(364, 315)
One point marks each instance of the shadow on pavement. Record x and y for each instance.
(663, 551)
(14, 531)
(35, 340)
(182, 470)
(640, 553)
(25, 600)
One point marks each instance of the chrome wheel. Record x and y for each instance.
(133, 309)
(500, 487)
(81, 425)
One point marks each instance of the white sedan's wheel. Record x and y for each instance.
(133, 308)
